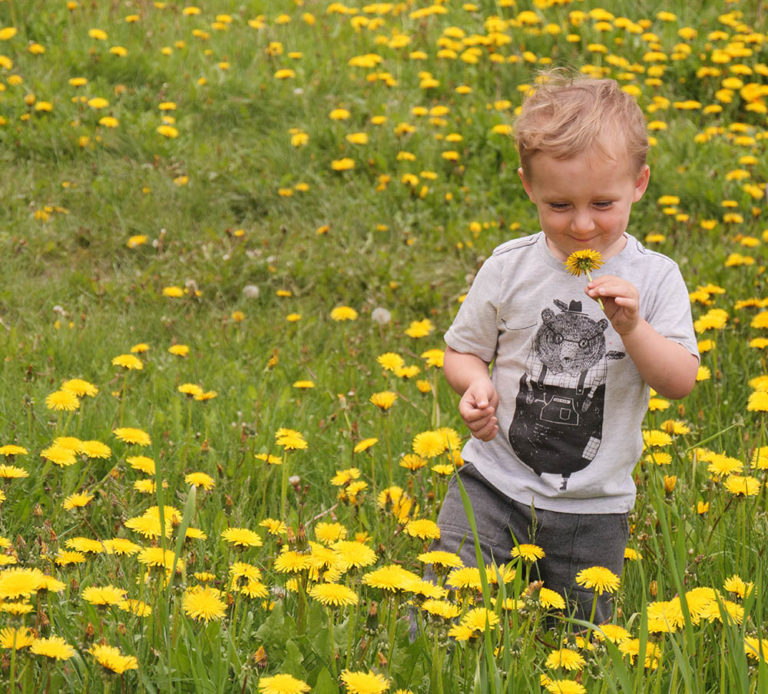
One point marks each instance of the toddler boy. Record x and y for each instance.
(556, 424)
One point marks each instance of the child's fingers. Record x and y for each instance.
(472, 414)
(485, 430)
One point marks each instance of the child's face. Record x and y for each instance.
(584, 201)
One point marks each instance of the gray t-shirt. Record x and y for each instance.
(571, 402)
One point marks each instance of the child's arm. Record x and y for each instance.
(468, 375)
(668, 367)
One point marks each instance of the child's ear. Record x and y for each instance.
(526, 182)
(641, 182)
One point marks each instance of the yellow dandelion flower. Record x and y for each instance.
(599, 579)
(291, 561)
(740, 485)
(631, 648)
(58, 455)
(441, 559)
(160, 558)
(583, 262)
(562, 686)
(364, 445)
(15, 638)
(53, 647)
(420, 328)
(422, 528)
(85, 544)
(528, 552)
(269, 458)
(343, 313)
(364, 682)
(611, 632)
(80, 387)
(383, 400)
(242, 537)
(12, 449)
(333, 594)
(141, 463)
(354, 554)
(132, 435)
(200, 479)
(429, 444)
(12, 472)
(104, 595)
(551, 599)
(129, 362)
(121, 546)
(110, 658)
(654, 438)
(441, 608)
(67, 557)
(412, 462)
(467, 577)
(565, 658)
(282, 684)
(480, 619)
(390, 361)
(756, 648)
(328, 533)
(203, 603)
(62, 400)
(665, 616)
(94, 449)
(77, 501)
(758, 401)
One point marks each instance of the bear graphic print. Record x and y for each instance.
(558, 421)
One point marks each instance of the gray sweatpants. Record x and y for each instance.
(571, 541)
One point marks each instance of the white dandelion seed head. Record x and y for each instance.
(251, 291)
(381, 315)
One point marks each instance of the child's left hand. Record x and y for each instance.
(621, 300)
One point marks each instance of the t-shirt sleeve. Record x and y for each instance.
(670, 310)
(475, 328)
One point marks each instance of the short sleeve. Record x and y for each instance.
(475, 328)
(669, 313)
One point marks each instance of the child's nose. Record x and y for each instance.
(582, 221)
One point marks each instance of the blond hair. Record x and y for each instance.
(569, 114)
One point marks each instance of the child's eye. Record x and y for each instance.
(558, 205)
(603, 204)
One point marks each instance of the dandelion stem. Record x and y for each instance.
(389, 448)
(332, 640)
(284, 485)
(392, 623)
(599, 300)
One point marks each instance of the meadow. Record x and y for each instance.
(233, 236)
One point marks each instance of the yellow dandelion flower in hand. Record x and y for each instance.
(582, 263)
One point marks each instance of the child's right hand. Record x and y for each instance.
(477, 408)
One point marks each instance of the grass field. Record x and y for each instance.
(233, 236)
